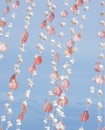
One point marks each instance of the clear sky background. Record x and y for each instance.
(82, 70)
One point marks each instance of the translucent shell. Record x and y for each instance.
(6, 10)
(32, 68)
(57, 57)
(100, 79)
(101, 34)
(37, 60)
(47, 107)
(51, 30)
(65, 84)
(79, 3)
(74, 8)
(103, 128)
(78, 37)
(64, 13)
(62, 101)
(24, 37)
(3, 47)
(68, 51)
(13, 83)
(98, 67)
(84, 116)
(60, 126)
(70, 43)
(54, 75)
(16, 5)
(57, 91)
(24, 108)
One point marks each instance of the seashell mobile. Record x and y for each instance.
(43, 38)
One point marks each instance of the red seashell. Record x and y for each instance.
(38, 60)
(57, 91)
(79, 3)
(50, 16)
(78, 37)
(2, 23)
(43, 24)
(84, 116)
(68, 51)
(24, 38)
(74, 8)
(47, 107)
(24, 108)
(62, 101)
(13, 84)
(21, 116)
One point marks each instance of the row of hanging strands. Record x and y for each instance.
(60, 99)
(13, 84)
(6, 25)
(98, 80)
(7, 11)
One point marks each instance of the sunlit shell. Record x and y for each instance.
(98, 67)
(78, 37)
(62, 101)
(70, 43)
(50, 16)
(100, 79)
(60, 126)
(51, 30)
(64, 13)
(21, 116)
(24, 37)
(54, 75)
(68, 51)
(32, 68)
(84, 116)
(13, 84)
(47, 107)
(6, 10)
(57, 57)
(79, 3)
(3, 47)
(74, 8)
(57, 91)
(2, 23)
(43, 24)
(37, 60)
(16, 5)
(101, 34)
(65, 84)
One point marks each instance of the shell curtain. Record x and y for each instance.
(52, 64)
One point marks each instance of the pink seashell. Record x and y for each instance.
(57, 91)
(101, 34)
(51, 31)
(74, 8)
(79, 3)
(24, 108)
(3, 47)
(60, 126)
(68, 51)
(50, 16)
(100, 79)
(43, 24)
(38, 60)
(62, 101)
(29, 1)
(98, 67)
(78, 37)
(65, 84)
(70, 43)
(84, 116)
(21, 116)
(32, 68)
(103, 128)
(24, 38)
(13, 84)
(64, 13)
(54, 75)
(48, 107)
(6, 10)
(16, 5)
(2, 23)
(57, 57)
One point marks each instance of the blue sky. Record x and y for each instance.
(82, 70)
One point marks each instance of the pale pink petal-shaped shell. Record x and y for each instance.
(100, 80)
(24, 38)
(16, 5)
(50, 16)
(3, 47)
(70, 43)
(103, 128)
(38, 60)
(98, 67)
(54, 75)
(65, 84)
(21, 116)
(6, 10)
(64, 13)
(24, 108)
(84, 116)
(78, 37)
(60, 126)
(63, 101)
(51, 31)
(101, 34)
(29, 1)
(79, 3)
(57, 57)
(74, 8)
(43, 24)
(57, 91)
(68, 51)
(47, 107)
(13, 84)
(32, 68)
